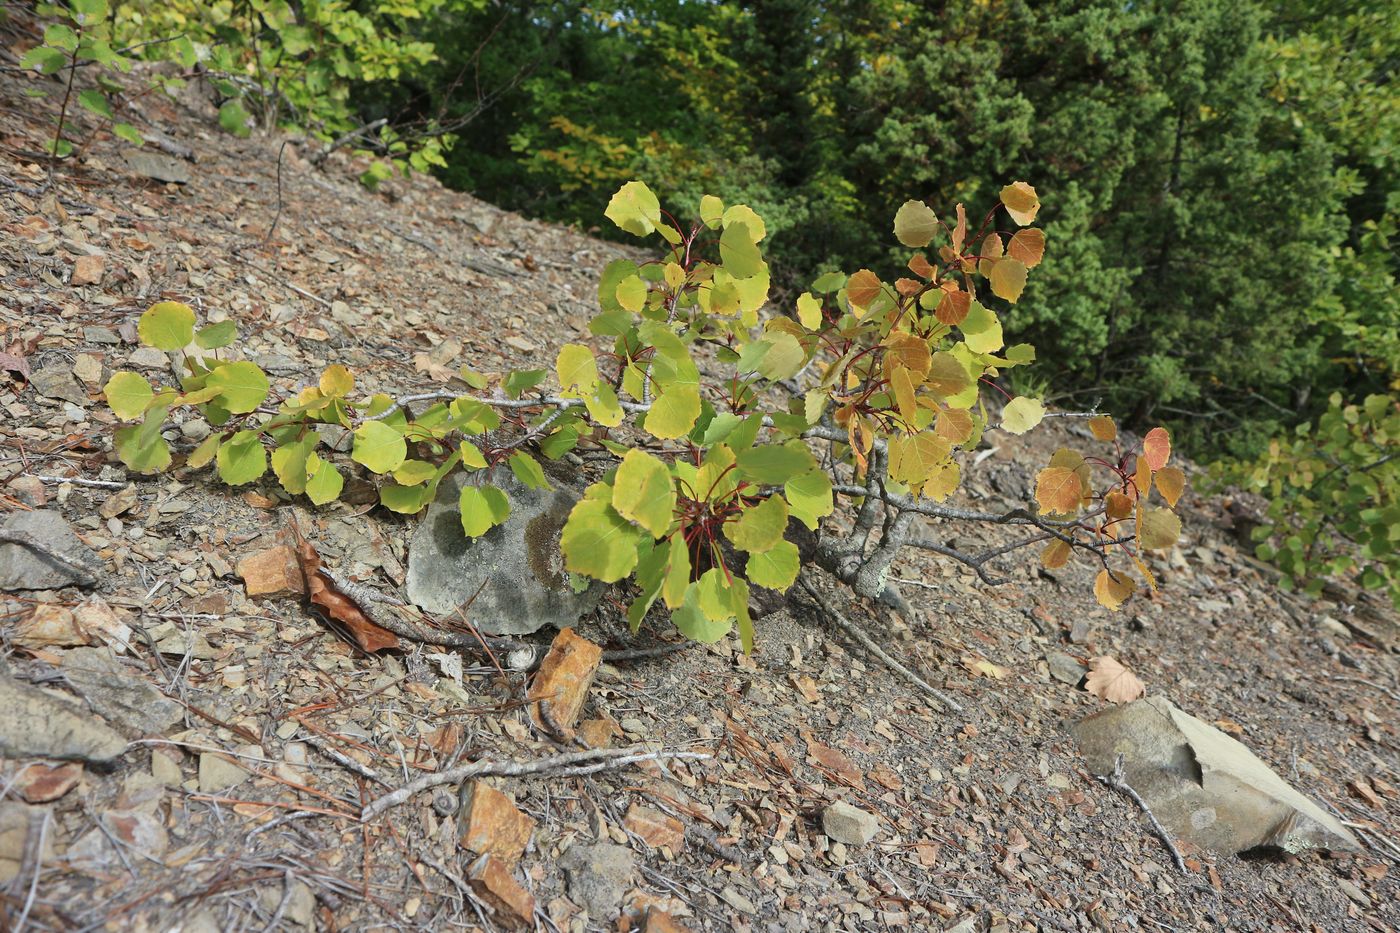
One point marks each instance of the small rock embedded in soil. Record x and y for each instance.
(23, 568)
(1065, 668)
(493, 882)
(598, 876)
(514, 574)
(217, 773)
(1203, 785)
(34, 724)
(851, 825)
(492, 824)
(560, 688)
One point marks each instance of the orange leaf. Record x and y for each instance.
(960, 231)
(922, 267)
(1103, 427)
(340, 607)
(907, 286)
(1058, 490)
(1157, 448)
(953, 424)
(1112, 588)
(1056, 554)
(1142, 479)
(992, 250)
(1112, 681)
(953, 307)
(1117, 505)
(1027, 245)
(1171, 483)
(863, 288)
(908, 352)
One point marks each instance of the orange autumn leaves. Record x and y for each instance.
(1064, 488)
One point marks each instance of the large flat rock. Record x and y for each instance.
(1203, 785)
(516, 566)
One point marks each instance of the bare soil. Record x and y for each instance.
(988, 815)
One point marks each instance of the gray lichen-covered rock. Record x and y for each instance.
(23, 568)
(117, 693)
(35, 724)
(850, 825)
(525, 584)
(1203, 785)
(598, 876)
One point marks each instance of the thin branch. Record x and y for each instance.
(1116, 781)
(548, 401)
(82, 576)
(569, 764)
(870, 645)
(318, 157)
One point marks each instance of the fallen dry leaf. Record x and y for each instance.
(340, 607)
(983, 668)
(1112, 681)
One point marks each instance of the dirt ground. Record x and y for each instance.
(988, 818)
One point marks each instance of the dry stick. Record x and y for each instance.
(83, 577)
(80, 481)
(870, 645)
(1115, 781)
(569, 764)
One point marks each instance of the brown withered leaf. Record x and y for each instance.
(1112, 681)
(338, 606)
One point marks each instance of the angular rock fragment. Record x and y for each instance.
(47, 626)
(1203, 785)
(559, 690)
(655, 828)
(157, 166)
(492, 824)
(217, 773)
(34, 724)
(272, 570)
(24, 568)
(514, 906)
(119, 696)
(514, 574)
(598, 876)
(850, 825)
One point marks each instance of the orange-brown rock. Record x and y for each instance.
(492, 825)
(88, 270)
(658, 921)
(562, 684)
(494, 884)
(273, 570)
(655, 828)
(598, 733)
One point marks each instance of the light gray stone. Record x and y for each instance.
(525, 585)
(851, 825)
(36, 724)
(1202, 784)
(156, 165)
(23, 568)
(1066, 668)
(598, 876)
(118, 695)
(217, 773)
(58, 382)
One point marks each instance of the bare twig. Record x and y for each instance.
(80, 481)
(320, 156)
(870, 645)
(1116, 781)
(569, 764)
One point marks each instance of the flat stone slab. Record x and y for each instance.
(23, 568)
(1203, 785)
(515, 571)
(36, 724)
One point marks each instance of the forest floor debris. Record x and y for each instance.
(345, 814)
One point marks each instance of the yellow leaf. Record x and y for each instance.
(575, 366)
(1021, 202)
(1171, 482)
(1008, 278)
(992, 250)
(809, 311)
(1103, 428)
(984, 668)
(903, 389)
(1158, 528)
(1112, 588)
(908, 352)
(953, 424)
(1117, 506)
(1056, 554)
(1021, 414)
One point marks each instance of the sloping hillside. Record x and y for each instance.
(257, 734)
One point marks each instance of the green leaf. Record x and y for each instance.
(650, 575)
(406, 500)
(59, 36)
(140, 446)
(810, 498)
(204, 453)
(128, 394)
(739, 252)
(635, 209)
(519, 382)
(632, 293)
(711, 211)
(379, 447)
(96, 102)
(323, 480)
(234, 119)
(831, 282)
(242, 385)
(43, 59)
(759, 527)
(596, 540)
(743, 214)
(673, 412)
(773, 464)
(775, 568)
(242, 458)
(784, 358)
(217, 335)
(575, 366)
(1021, 414)
(915, 224)
(691, 618)
(414, 472)
(289, 462)
(528, 470)
(644, 492)
(482, 509)
(167, 325)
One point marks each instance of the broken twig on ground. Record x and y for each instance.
(1116, 781)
